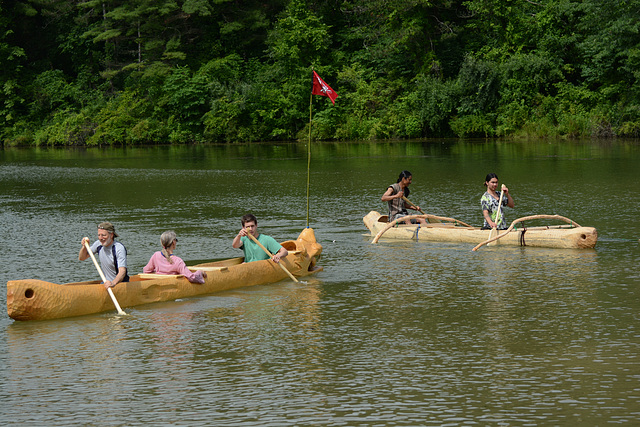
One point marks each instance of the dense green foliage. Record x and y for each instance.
(182, 71)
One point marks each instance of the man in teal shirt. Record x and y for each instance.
(252, 251)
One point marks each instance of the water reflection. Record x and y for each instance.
(398, 333)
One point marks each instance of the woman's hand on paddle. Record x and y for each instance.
(510, 201)
(487, 218)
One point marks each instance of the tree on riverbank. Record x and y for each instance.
(94, 72)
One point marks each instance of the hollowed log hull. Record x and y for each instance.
(40, 300)
(561, 236)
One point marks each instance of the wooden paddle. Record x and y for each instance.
(409, 201)
(104, 279)
(497, 213)
(435, 219)
(270, 255)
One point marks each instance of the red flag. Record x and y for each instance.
(323, 89)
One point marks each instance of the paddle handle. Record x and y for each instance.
(497, 216)
(499, 205)
(104, 279)
(412, 204)
(270, 255)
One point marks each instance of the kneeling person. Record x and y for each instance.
(252, 251)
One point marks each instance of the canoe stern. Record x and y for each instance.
(588, 238)
(371, 219)
(37, 299)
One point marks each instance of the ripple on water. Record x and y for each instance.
(398, 333)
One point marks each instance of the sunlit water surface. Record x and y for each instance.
(398, 333)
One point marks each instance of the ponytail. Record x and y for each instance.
(404, 174)
(166, 239)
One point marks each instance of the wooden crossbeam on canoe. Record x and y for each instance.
(208, 268)
(159, 276)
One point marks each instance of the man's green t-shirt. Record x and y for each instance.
(253, 252)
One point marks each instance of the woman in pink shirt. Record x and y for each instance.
(165, 262)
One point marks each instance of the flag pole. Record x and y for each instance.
(318, 87)
(309, 152)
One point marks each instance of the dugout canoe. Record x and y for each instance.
(444, 229)
(40, 300)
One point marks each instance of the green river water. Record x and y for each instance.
(399, 333)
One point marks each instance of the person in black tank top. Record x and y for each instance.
(395, 197)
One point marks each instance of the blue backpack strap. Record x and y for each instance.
(115, 260)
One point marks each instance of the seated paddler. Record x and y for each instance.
(397, 197)
(111, 253)
(253, 251)
(490, 203)
(165, 262)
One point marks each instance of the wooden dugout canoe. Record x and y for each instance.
(40, 300)
(555, 236)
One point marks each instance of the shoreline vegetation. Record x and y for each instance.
(140, 72)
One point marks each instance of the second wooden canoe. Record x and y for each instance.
(553, 236)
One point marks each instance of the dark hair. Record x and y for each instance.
(489, 177)
(404, 174)
(248, 218)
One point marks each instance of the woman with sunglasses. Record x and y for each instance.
(165, 262)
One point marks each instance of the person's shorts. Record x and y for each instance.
(413, 221)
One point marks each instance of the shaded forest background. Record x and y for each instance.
(187, 71)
